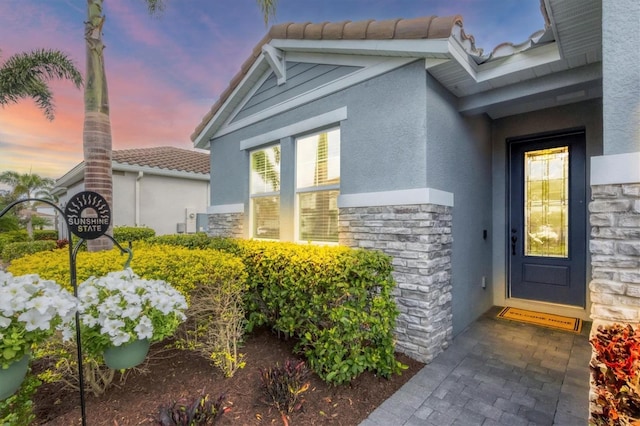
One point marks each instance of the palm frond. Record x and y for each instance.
(268, 8)
(25, 75)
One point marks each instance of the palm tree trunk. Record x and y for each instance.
(96, 134)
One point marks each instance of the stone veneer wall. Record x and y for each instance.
(419, 239)
(226, 225)
(615, 258)
(615, 253)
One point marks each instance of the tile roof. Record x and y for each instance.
(427, 27)
(164, 157)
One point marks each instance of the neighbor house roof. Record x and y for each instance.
(161, 160)
(164, 157)
(427, 27)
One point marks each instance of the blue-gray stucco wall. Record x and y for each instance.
(459, 161)
(402, 132)
(382, 140)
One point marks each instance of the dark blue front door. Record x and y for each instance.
(547, 213)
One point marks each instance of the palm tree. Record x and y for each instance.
(25, 75)
(27, 185)
(96, 134)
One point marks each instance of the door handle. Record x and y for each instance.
(513, 245)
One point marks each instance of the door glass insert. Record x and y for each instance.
(546, 202)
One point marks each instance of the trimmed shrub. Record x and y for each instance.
(335, 300)
(19, 236)
(45, 234)
(13, 251)
(132, 233)
(197, 240)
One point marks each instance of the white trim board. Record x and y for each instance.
(226, 208)
(615, 169)
(326, 119)
(397, 198)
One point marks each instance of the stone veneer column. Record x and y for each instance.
(615, 253)
(226, 225)
(419, 239)
(615, 259)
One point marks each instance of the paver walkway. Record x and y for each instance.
(498, 372)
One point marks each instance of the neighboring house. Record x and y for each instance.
(475, 171)
(163, 188)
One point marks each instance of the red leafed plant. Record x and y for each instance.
(616, 374)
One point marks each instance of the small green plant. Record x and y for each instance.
(17, 410)
(285, 385)
(199, 411)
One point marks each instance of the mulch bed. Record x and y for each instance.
(172, 375)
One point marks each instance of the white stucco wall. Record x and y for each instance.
(162, 200)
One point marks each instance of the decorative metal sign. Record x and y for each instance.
(92, 225)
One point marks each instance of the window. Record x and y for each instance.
(265, 192)
(318, 186)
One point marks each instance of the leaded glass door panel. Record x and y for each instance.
(547, 231)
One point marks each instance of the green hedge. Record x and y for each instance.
(45, 234)
(19, 236)
(336, 301)
(123, 234)
(13, 251)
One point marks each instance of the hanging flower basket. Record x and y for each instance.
(31, 310)
(121, 314)
(12, 377)
(126, 356)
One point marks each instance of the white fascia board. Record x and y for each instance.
(72, 176)
(383, 66)
(254, 73)
(457, 53)
(526, 59)
(420, 48)
(226, 209)
(160, 172)
(397, 198)
(321, 120)
(497, 68)
(615, 169)
(549, 82)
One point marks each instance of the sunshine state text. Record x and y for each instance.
(92, 223)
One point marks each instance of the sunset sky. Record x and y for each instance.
(165, 72)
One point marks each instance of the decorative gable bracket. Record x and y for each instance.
(275, 58)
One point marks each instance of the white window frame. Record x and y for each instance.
(253, 196)
(298, 191)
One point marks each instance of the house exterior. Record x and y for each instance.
(163, 188)
(510, 178)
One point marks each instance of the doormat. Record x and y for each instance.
(546, 320)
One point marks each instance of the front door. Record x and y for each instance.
(547, 211)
